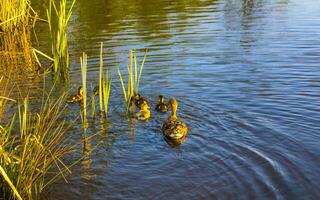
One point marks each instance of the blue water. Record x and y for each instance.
(247, 78)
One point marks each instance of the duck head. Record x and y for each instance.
(137, 97)
(174, 106)
(161, 99)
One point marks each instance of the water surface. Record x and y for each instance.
(246, 75)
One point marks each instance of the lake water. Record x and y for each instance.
(247, 78)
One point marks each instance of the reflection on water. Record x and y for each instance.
(247, 76)
(175, 143)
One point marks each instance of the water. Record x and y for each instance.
(246, 75)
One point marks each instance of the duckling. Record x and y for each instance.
(138, 99)
(174, 128)
(144, 112)
(161, 106)
(77, 98)
(96, 90)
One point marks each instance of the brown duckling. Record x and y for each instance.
(161, 106)
(77, 98)
(174, 128)
(138, 99)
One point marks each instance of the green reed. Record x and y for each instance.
(134, 72)
(105, 82)
(84, 62)
(27, 159)
(58, 36)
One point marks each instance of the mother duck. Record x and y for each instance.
(174, 128)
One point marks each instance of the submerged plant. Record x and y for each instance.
(134, 72)
(58, 36)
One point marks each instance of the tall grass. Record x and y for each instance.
(134, 72)
(31, 156)
(58, 36)
(105, 82)
(83, 62)
(14, 14)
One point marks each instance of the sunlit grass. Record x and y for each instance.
(83, 63)
(58, 35)
(134, 72)
(31, 156)
(105, 82)
(14, 14)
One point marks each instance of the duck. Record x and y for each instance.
(174, 128)
(138, 99)
(144, 113)
(161, 106)
(77, 98)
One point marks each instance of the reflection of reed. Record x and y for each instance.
(87, 161)
(17, 64)
(16, 51)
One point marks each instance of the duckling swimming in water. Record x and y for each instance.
(77, 98)
(161, 106)
(144, 112)
(138, 99)
(174, 128)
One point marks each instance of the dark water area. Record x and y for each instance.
(247, 78)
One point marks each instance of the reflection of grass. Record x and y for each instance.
(27, 158)
(16, 52)
(134, 72)
(58, 36)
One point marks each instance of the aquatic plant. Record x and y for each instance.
(105, 82)
(83, 62)
(31, 156)
(58, 36)
(134, 72)
(14, 14)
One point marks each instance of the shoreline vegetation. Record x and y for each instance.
(33, 144)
